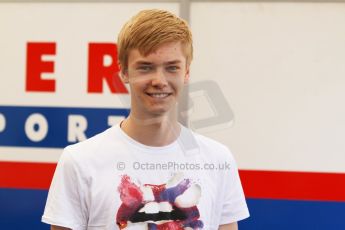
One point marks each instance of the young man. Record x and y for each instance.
(148, 172)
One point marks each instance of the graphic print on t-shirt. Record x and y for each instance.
(172, 205)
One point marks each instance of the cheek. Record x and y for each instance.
(177, 79)
(134, 90)
(138, 84)
(179, 84)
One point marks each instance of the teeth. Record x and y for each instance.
(159, 95)
(147, 193)
(165, 206)
(150, 208)
(158, 222)
(154, 207)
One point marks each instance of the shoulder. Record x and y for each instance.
(212, 148)
(91, 147)
(210, 143)
(87, 157)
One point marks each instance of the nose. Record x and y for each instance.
(159, 79)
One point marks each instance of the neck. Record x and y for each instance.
(157, 131)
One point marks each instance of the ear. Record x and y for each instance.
(124, 75)
(186, 77)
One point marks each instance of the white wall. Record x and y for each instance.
(281, 67)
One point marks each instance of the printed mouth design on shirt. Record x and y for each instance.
(166, 206)
(154, 212)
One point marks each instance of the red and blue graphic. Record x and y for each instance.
(159, 207)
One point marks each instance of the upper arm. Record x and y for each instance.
(66, 203)
(53, 227)
(232, 226)
(234, 207)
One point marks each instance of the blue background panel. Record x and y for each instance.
(57, 120)
(22, 209)
(269, 214)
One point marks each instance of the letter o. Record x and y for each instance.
(41, 132)
(2, 122)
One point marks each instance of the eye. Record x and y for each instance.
(144, 68)
(173, 68)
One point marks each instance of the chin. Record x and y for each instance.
(160, 110)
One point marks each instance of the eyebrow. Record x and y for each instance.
(143, 63)
(173, 62)
(165, 63)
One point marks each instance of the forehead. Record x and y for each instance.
(167, 52)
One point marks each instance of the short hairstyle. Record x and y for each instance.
(148, 30)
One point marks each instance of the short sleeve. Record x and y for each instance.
(234, 204)
(65, 204)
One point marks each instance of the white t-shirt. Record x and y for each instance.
(111, 181)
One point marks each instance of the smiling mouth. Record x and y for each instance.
(159, 95)
(153, 215)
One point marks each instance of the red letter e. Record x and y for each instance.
(35, 66)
